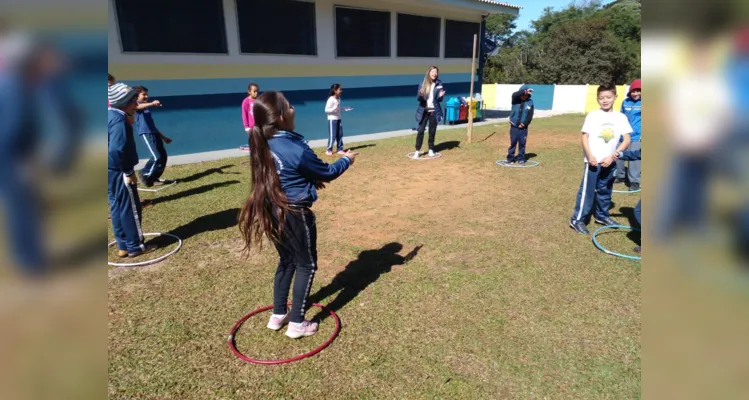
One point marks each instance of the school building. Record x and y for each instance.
(197, 57)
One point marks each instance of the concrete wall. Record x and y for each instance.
(563, 98)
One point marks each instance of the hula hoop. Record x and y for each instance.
(154, 261)
(159, 189)
(233, 345)
(528, 164)
(411, 156)
(626, 191)
(613, 253)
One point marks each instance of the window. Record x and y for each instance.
(418, 36)
(362, 33)
(277, 27)
(459, 38)
(172, 26)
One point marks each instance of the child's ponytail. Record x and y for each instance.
(264, 212)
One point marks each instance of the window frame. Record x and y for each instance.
(478, 33)
(440, 33)
(335, 33)
(224, 37)
(314, 18)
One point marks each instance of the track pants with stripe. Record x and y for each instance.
(594, 194)
(125, 210)
(335, 134)
(157, 163)
(297, 250)
(518, 138)
(23, 219)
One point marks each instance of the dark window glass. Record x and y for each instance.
(362, 33)
(459, 38)
(277, 27)
(418, 36)
(171, 26)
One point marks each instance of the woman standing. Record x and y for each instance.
(430, 111)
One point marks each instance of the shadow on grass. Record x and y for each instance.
(364, 146)
(446, 146)
(209, 171)
(191, 192)
(211, 222)
(359, 274)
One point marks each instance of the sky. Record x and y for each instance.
(532, 9)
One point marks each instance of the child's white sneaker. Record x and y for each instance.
(298, 330)
(328, 153)
(416, 155)
(431, 153)
(277, 322)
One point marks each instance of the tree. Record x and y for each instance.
(499, 27)
(582, 43)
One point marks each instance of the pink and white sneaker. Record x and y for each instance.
(328, 153)
(306, 328)
(275, 323)
(341, 152)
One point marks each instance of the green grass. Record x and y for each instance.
(503, 300)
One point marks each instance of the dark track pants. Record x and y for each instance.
(157, 163)
(595, 189)
(298, 255)
(125, 210)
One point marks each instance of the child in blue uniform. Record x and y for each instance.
(286, 174)
(632, 155)
(520, 117)
(124, 203)
(146, 128)
(632, 108)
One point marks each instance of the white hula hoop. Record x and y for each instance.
(411, 156)
(154, 261)
(528, 164)
(157, 190)
(626, 191)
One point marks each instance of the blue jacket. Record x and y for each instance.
(631, 155)
(522, 111)
(423, 102)
(122, 154)
(633, 110)
(144, 122)
(299, 168)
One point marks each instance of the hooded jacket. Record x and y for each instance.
(633, 110)
(299, 168)
(522, 111)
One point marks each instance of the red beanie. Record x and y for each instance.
(636, 84)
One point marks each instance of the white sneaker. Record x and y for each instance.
(431, 153)
(306, 328)
(276, 323)
(416, 155)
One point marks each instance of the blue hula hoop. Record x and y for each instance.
(613, 253)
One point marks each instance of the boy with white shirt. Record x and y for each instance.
(600, 139)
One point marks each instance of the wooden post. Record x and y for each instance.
(473, 78)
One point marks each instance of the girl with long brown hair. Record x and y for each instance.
(429, 112)
(286, 174)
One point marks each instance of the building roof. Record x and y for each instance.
(499, 3)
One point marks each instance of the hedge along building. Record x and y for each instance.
(198, 57)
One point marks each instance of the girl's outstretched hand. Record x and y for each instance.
(319, 185)
(351, 156)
